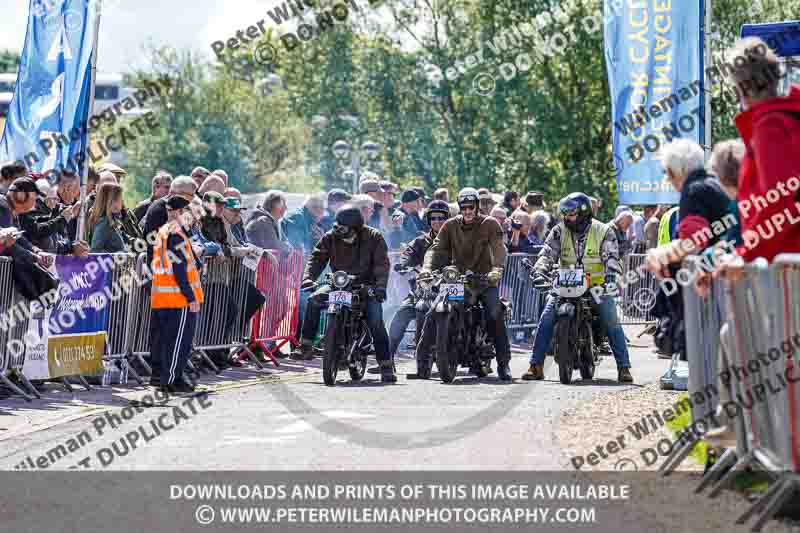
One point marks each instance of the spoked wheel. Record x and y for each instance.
(361, 352)
(587, 358)
(446, 363)
(330, 362)
(565, 353)
(357, 372)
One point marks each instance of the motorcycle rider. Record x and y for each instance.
(472, 241)
(580, 235)
(361, 251)
(413, 256)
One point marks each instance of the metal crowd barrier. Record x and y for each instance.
(122, 320)
(527, 303)
(636, 299)
(275, 324)
(756, 366)
(12, 353)
(704, 318)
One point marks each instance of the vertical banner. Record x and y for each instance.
(69, 338)
(46, 127)
(654, 56)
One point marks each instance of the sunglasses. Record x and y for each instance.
(438, 219)
(569, 212)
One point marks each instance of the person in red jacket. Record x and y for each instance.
(769, 179)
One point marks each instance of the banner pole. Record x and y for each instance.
(707, 64)
(85, 163)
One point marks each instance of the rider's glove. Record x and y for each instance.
(398, 267)
(538, 279)
(495, 275)
(307, 284)
(424, 275)
(380, 295)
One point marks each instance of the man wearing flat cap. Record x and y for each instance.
(380, 219)
(211, 225)
(336, 199)
(389, 190)
(118, 172)
(199, 175)
(406, 220)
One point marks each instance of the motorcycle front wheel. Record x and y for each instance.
(330, 361)
(587, 353)
(357, 371)
(445, 360)
(564, 352)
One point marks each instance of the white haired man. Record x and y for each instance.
(263, 226)
(303, 228)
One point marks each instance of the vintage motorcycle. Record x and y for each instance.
(347, 342)
(461, 333)
(573, 339)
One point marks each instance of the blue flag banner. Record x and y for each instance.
(46, 123)
(654, 56)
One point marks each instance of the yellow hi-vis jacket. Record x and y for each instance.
(592, 262)
(166, 293)
(664, 236)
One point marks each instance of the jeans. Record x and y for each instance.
(606, 309)
(400, 322)
(377, 328)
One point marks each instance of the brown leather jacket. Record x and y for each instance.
(367, 257)
(477, 247)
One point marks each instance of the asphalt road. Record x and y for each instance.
(298, 423)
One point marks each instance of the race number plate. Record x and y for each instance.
(570, 277)
(341, 298)
(454, 291)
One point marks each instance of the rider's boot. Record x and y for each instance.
(624, 375)
(304, 352)
(534, 373)
(387, 372)
(504, 371)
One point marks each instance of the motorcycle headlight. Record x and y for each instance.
(450, 274)
(340, 279)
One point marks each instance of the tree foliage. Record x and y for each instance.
(546, 128)
(9, 61)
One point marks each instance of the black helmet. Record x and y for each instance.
(437, 206)
(579, 204)
(350, 216)
(467, 195)
(348, 220)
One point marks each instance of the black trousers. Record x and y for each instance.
(171, 335)
(375, 323)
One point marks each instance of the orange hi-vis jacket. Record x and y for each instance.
(166, 292)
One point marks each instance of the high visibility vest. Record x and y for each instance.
(165, 292)
(664, 236)
(592, 262)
